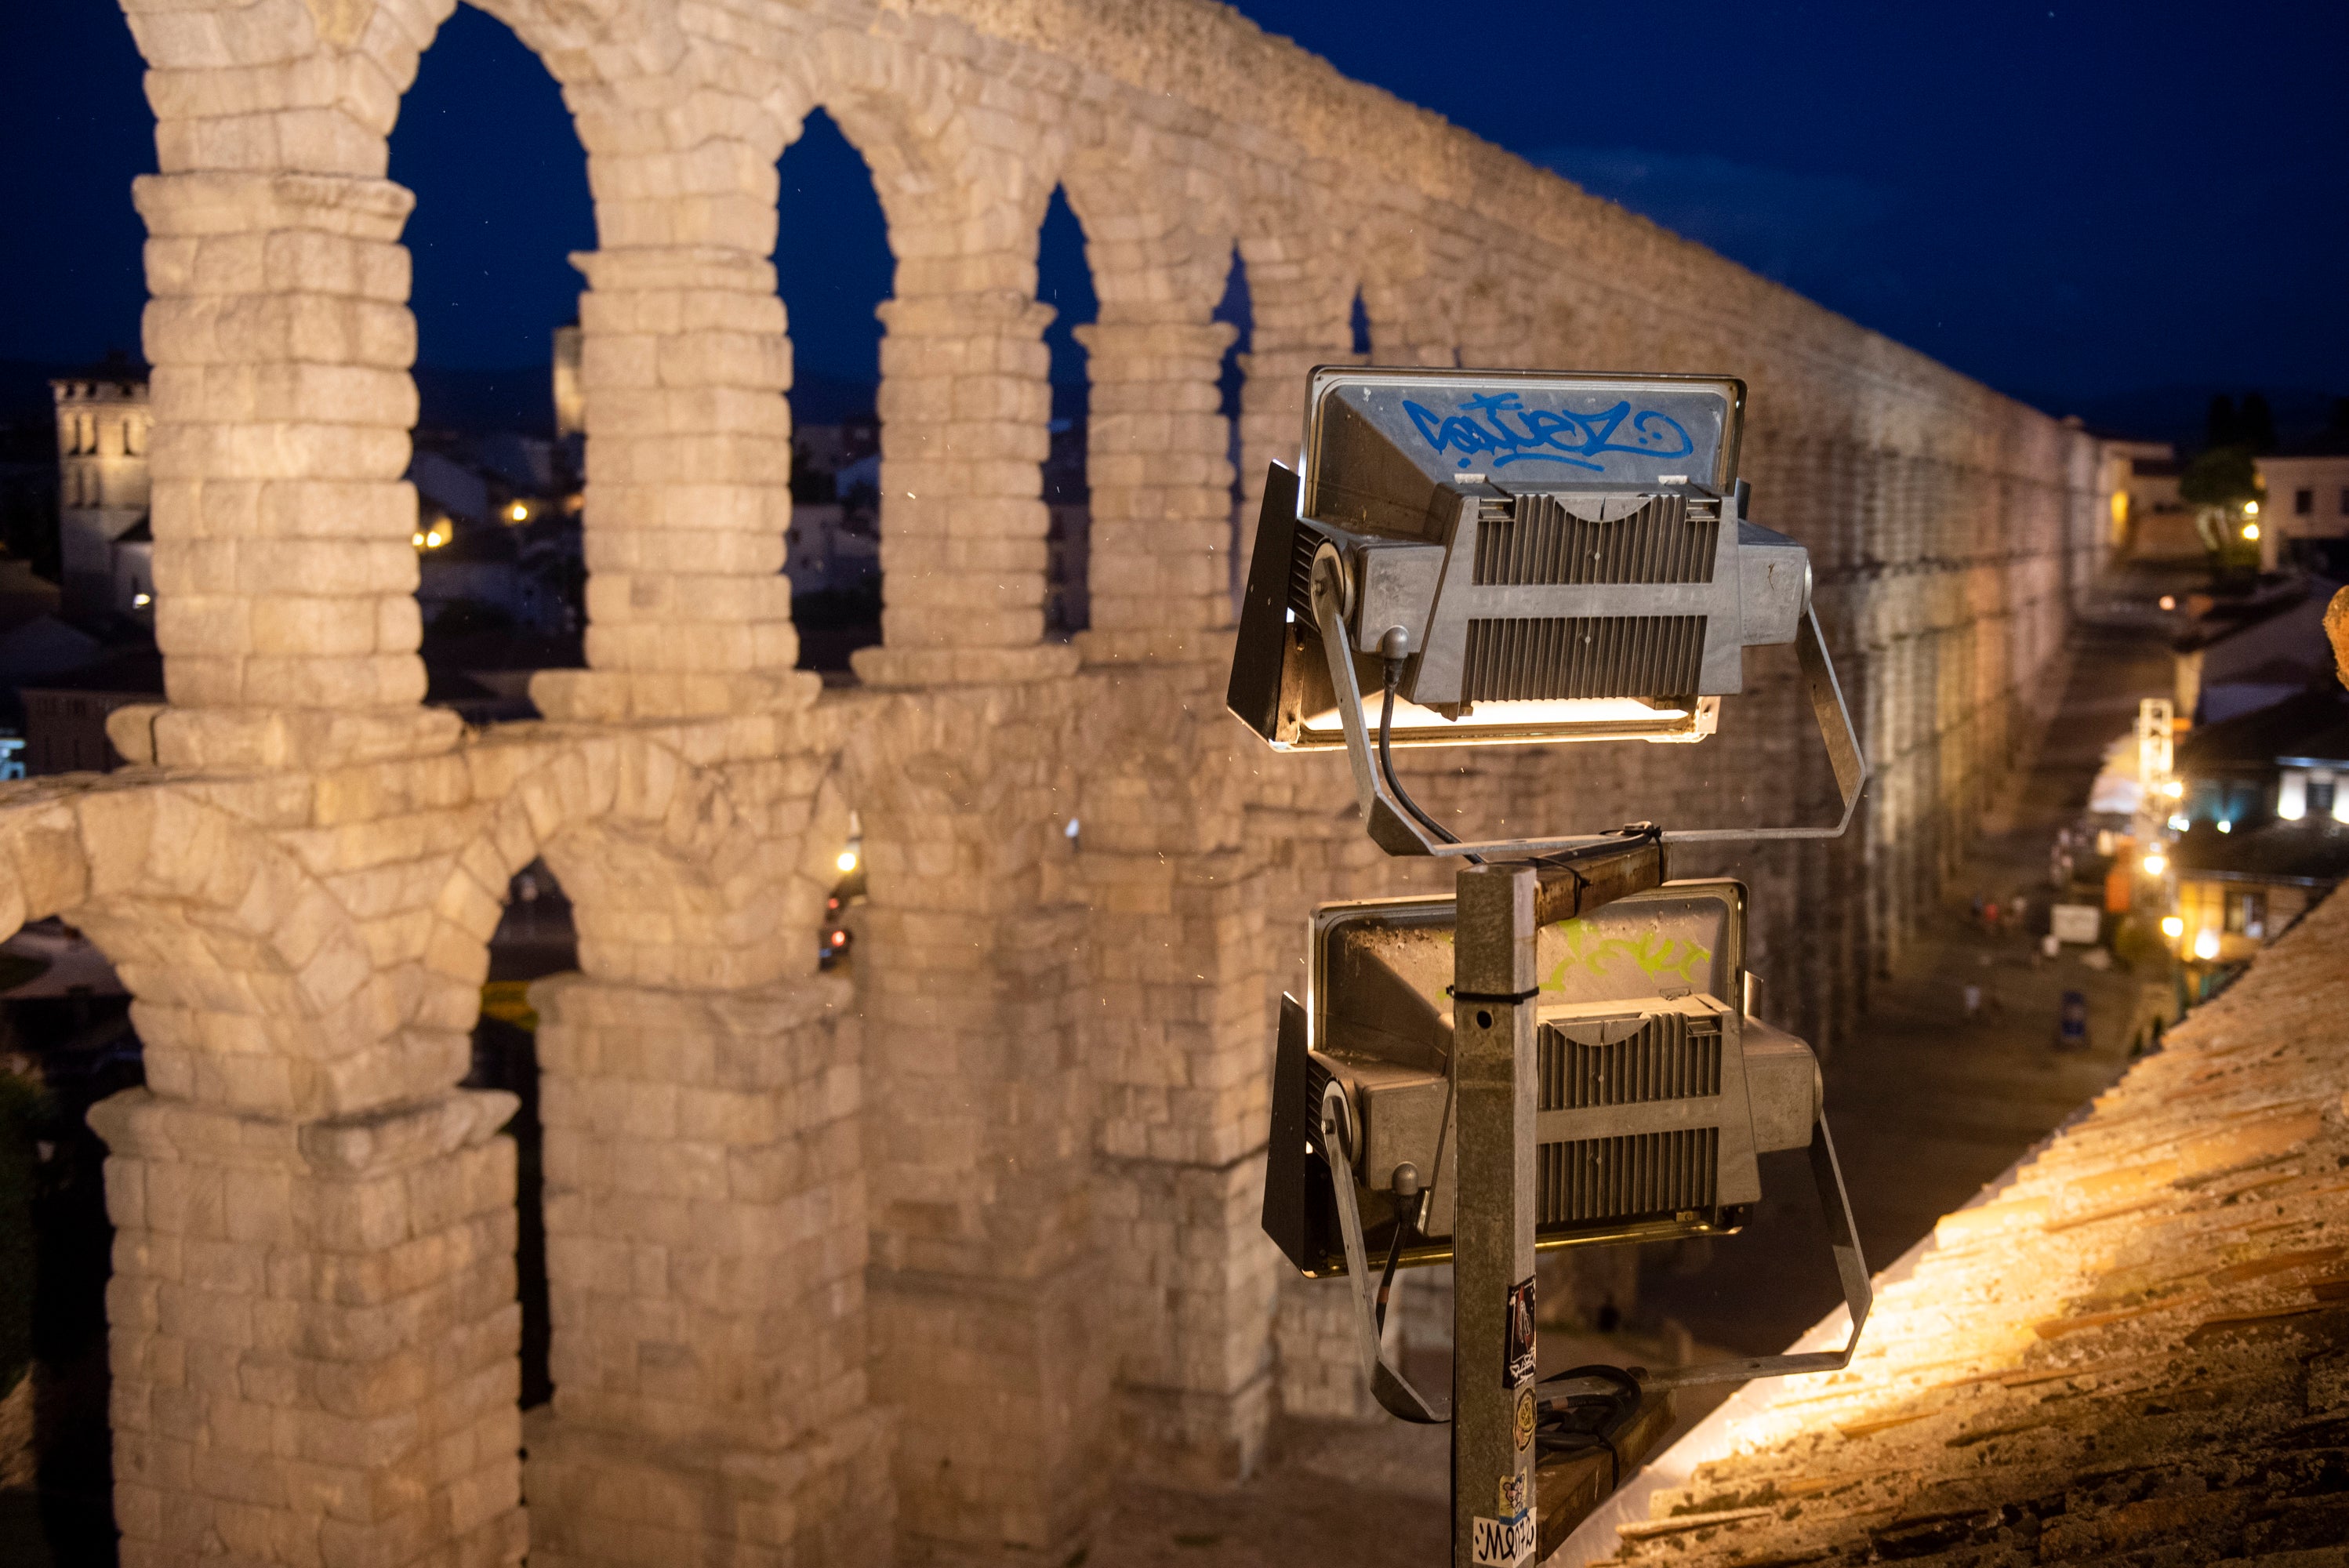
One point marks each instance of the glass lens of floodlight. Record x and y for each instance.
(1522, 723)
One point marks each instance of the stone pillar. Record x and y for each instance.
(965, 402)
(1178, 1031)
(1161, 481)
(990, 1320)
(683, 366)
(1299, 321)
(284, 578)
(706, 1248)
(314, 1333)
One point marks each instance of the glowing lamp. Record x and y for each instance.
(2172, 927)
(140, 600)
(845, 860)
(2251, 509)
(2250, 530)
(2156, 863)
(2206, 945)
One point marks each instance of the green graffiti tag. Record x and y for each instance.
(1655, 954)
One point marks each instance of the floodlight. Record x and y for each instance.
(1565, 1052)
(1513, 557)
(1655, 1090)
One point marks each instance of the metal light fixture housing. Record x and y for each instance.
(1511, 557)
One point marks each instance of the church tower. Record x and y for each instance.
(104, 548)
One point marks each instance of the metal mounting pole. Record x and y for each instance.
(1494, 985)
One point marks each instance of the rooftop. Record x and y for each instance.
(2139, 1350)
(2315, 724)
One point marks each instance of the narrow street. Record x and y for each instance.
(1927, 1104)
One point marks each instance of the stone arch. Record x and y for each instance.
(1160, 250)
(679, 873)
(254, 991)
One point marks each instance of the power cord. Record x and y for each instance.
(1392, 678)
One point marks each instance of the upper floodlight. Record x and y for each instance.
(1510, 557)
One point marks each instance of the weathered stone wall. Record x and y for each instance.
(929, 1262)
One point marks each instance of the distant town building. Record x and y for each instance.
(834, 544)
(104, 546)
(2304, 519)
(2247, 649)
(65, 715)
(2151, 521)
(2267, 820)
(570, 390)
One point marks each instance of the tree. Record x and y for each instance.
(2219, 425)
(2255, 424)
(2223, 475)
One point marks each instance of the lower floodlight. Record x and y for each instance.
(1565, 1052)
(1478, 558)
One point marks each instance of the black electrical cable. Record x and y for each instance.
(1393, 678)
(1581, 1423)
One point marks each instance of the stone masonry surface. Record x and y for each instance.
(2137, 1352)
(912, 1266)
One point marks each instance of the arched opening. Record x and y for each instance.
(66, 1043)
(834, 268)
(535, 937)
(1064, 281)
(499, 450)
(1231, 384)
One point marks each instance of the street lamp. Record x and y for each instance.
(1513, 558)
(2172, 927)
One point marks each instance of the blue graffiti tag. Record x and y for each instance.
(1547, 436)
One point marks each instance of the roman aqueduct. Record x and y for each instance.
(915, 1264)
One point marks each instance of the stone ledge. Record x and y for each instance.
(271, 740)
(901, 669)
(636, 696)
(142, 1124)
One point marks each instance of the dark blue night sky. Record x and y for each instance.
(2080, 205)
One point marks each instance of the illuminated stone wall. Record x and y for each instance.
(920, 1266)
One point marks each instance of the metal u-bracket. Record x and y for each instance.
(1389, 1387)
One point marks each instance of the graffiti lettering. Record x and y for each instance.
(1655, 955)
(1543, 436)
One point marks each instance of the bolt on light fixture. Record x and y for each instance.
(1514, 558)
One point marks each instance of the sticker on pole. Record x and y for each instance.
(1517, 1354)
(1501, 1542)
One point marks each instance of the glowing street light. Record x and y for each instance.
(2251, 509)
(2250, 530)
(2206, 945)
(2156, 863)
(846, 862)
(518, 513)
(2172, 927)
(2174, 788)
